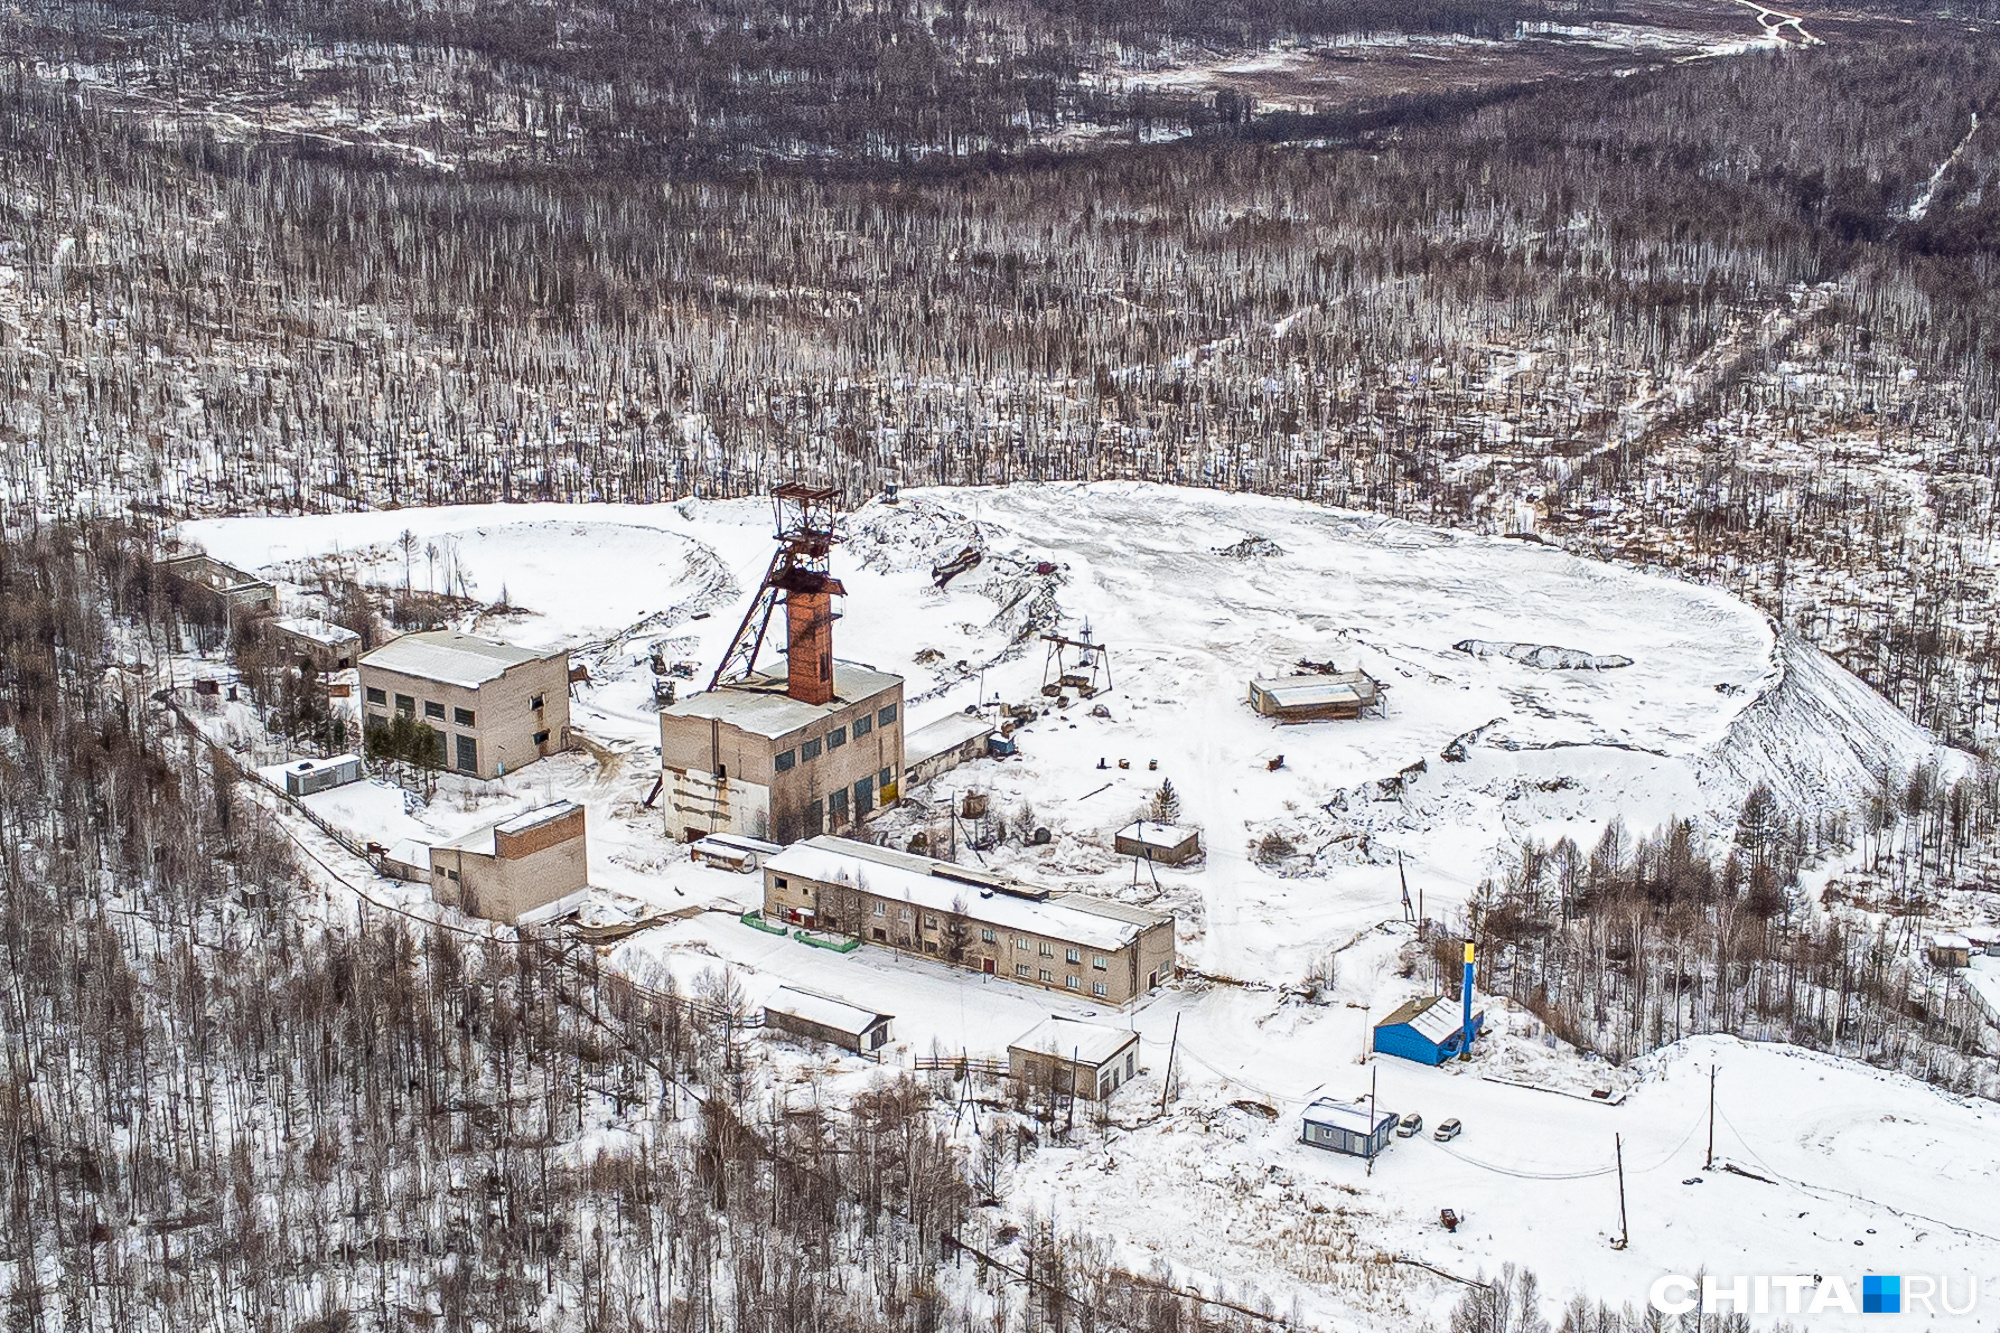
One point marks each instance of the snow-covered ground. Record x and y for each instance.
(1476, 751)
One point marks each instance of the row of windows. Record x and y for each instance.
(1048, 978)
(407, 705)
(809, 750)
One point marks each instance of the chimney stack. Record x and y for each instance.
(809, 644)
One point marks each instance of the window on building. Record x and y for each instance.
(1072, 983)
(885, 779)
(863, 725)
(1020, 942)
(1020, 969)
(836, 807)
(1048, 950)
(468, 755)
(786, 758)
(541, 738)
(1048, 978)
(781, 881)
(881, 909)
(1099, 963)
(810, 749)
(1099, 989)
(1130, 1056)
(930, 922)
(406, 704)
(864, 797)
(433, 710)
(986, 935)
(886, 716)
(836, 738)
(451, 875)
(462, 717)
(376, 696)
(881, 935)
(815, 820)
(1072, 955)
(906, 914)
(535, 703)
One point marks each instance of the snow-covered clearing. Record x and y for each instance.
(1871, 1171)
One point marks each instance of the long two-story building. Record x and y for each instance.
(1109, 951)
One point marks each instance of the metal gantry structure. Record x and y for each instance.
(801, 564)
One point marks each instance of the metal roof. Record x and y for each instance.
(947, 733)
(1435, 1017)
(451, 658)
(1072, 1039)
(1349, 687)
(939, 886)
(1348, 1116)
(541, 814)
(761, 707)
(737, 842)
(824, 1010)
(319, 631)
(1146, 833)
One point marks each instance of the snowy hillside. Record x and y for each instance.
(1196, 593)
(1529, 693)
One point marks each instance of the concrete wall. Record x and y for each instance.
(912, 929)
(695, 750)
(943, 762)
(325, 657)
(527, 870)
(504, 726)
(699, 803)
(1035, 1070)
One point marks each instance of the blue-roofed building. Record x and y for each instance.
(1429, 1031)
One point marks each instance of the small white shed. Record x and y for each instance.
(306, 776)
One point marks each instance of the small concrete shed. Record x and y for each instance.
(940, 746)
(823, 1018)
(1091, 1060)
(1169, 844)
(1949, 950)
(732, 851)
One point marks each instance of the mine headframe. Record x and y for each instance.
(800, 576)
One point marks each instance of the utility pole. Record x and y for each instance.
(1373, 1070)
(1167, 1080)
(1709, 1165)
(1624, 1234)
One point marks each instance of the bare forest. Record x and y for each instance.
(1720, 302)
(231, 1106)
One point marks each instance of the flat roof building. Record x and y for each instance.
(495, 707)
(1109, 951)
(328, 647)
(223, 587)
(1169, 844)
(1316, 698)
(306, 776)
(940, 746)
(752, 758)
(1067, 1055)
(1344, 1127)
(515, 866)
